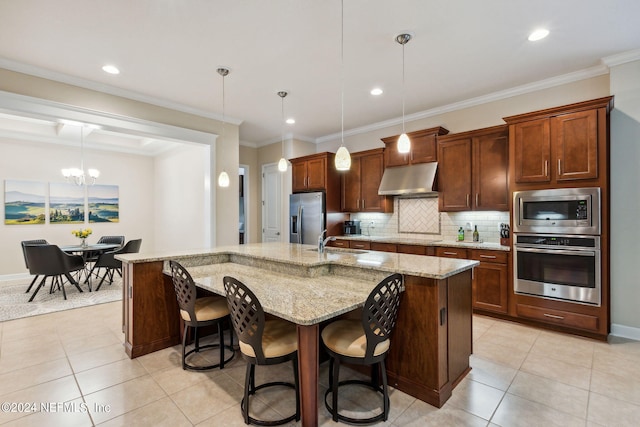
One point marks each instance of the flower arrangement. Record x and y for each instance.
(82, 234)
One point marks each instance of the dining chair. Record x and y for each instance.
(51, 261)
(198, 313)
(262, 342)
(113, 240)
(107, 261)
(364, 341)
(26, 262)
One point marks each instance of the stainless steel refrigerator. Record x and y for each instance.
(307, 217)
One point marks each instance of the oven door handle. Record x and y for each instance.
(588, 253)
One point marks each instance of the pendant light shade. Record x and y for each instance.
(343, 158)
(282, 164)
(404, 143)
(223, 178)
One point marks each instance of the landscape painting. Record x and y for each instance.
(103, 203)
(24, 202)
(66, 203)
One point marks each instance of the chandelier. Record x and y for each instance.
(78, 176)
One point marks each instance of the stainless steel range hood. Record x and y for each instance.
(409, 180)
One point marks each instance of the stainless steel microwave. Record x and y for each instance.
(559, 210)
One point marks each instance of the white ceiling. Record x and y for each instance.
(168, 52)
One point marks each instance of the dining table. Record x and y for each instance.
(87, 251)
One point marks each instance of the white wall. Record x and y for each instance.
(180, 213)
(32, 161)
(625, 198)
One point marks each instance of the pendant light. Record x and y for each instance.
(223, 178)
(343, 158)
(282, 164)
(404, 143)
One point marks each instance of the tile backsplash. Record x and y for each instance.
(418, 218)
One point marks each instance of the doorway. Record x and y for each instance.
(243, 208)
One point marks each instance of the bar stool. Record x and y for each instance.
(197, 313)
(262, 342)
(364, 342)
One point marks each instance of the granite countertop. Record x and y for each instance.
(427, 242)
(304, 260)
(288, 297)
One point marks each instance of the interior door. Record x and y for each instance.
(271, 203)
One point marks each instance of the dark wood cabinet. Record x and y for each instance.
(414, 249)
(317, 172)
(473, 170)
(384, 247)
(360, 184)
(490, 283)
(423, 147)
(559, 145)
(309, 173)
(359, 244)
(447, 252)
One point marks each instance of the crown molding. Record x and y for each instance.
(621, 58)
(288, 136)
(111, 90)
(586, 73)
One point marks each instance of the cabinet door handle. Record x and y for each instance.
(362, 204)
(358, 246)
(450, 253)
(553, 316)
(559, 169)
(488, 256)
(358, 204)
(546, 168)
(476, 200)
(468, 200)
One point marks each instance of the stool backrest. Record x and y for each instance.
(115, 240)
(380, 312)
(247, 315)
(185, 289)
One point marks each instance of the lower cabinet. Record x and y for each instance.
(491, 281)
(490, 285)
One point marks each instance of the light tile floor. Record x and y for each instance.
(71, 364)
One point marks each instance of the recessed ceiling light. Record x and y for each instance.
(538, 34)
(290, 121)
(111, 69)
(376, 91)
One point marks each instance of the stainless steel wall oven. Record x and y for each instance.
(557, 244)
(563, 267)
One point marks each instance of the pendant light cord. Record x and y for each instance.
(342, 71)
(403, 88)
(282, 125)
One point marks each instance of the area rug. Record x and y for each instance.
(14, 302)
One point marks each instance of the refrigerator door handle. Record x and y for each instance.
(300, 225)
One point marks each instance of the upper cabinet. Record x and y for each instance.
(473, 170)
(310, 173)
(360, 184)
(559, 145)
(424, 148)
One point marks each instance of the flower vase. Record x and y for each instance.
(84, 243)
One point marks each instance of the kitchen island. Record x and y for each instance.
(431, 343)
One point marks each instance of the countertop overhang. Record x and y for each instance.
(306, 260)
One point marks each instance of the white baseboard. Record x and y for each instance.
(17, 276)
(625, 331)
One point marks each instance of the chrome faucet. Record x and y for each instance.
(323, 243)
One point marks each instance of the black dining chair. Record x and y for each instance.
(262, 342)
(107, 261)
(51, 261)
(197, 313)
(36, 242)
(364, 341)
(92, 256)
